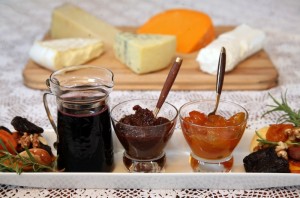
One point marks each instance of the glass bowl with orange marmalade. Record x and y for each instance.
(212, 138)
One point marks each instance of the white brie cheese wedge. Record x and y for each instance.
(59, 53)
(239, 43)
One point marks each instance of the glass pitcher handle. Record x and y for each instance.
(50, 117)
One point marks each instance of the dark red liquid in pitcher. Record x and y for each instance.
(85, 140)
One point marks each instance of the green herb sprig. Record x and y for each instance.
(289, 115)
(265, 141)
(6, 156)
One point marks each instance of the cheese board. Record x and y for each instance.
(257, 72)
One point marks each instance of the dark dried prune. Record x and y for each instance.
(23, 125)
(266, 161)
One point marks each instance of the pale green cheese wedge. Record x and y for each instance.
(144, 53)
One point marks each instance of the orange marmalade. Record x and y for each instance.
(213, 137)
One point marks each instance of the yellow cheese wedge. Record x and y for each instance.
(71, 21)
(144, 53)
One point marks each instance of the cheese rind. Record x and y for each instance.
(240, 43)
(59, 53)
(144, 53)
(69, 21)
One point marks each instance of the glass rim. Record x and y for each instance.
(212, 100)
(117, 121)
(73, 68)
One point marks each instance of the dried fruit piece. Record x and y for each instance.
(24, 162)
(46, 148)
(40, 155)
(198, 117)
(16, 135)
(23, 125)
(5, 129)
(294, 166)
(294, 152)
(276, 132)
(8, 140)
(266, 161)
(216, 121)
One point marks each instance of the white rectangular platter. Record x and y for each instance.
(177, 173)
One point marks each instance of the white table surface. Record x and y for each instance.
(23, 22)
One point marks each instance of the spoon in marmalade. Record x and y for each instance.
(168, 84)
(220, 78)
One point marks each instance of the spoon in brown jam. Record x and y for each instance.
(220, 78)
(168, 84)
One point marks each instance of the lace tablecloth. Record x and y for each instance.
(22, 22)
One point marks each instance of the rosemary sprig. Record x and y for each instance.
(289, 115)
(15, 163)
(265, 141)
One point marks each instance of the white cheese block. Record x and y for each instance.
(69, 21)
(239, 43)
(144, 53)
(59, 53)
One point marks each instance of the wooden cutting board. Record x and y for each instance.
(255, 73)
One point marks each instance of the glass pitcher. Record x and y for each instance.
(84, 137)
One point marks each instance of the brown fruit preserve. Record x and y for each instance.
(142, 135)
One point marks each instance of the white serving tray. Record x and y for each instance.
(177, 174)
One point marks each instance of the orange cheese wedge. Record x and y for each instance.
(193, 29)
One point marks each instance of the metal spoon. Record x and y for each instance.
(220, 78)
(168, 84)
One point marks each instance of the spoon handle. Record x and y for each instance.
(221, 70)
(168, 84)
